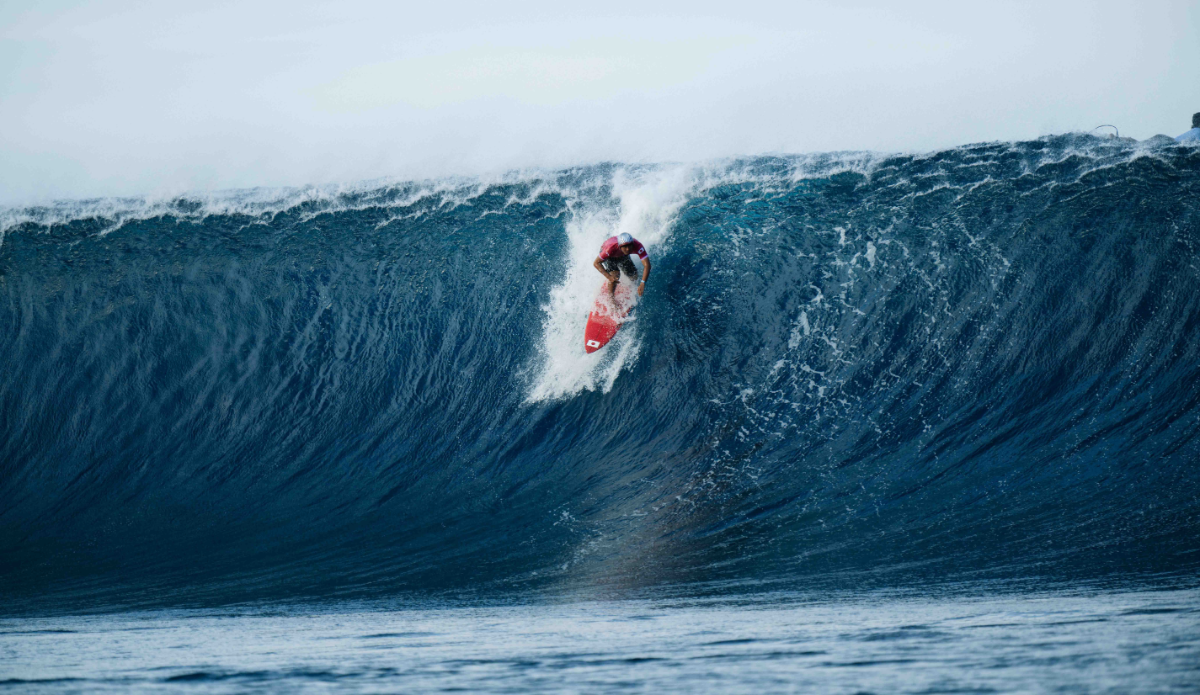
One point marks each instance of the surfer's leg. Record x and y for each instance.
(626, 265)
(610, 265)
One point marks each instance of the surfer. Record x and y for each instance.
(1192, 135)
(614, 259)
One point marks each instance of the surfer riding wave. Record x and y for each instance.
(615, 258)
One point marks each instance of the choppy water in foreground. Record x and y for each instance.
(1077, 642)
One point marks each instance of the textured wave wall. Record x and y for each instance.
(851, 369)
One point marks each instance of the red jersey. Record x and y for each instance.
(611, 249)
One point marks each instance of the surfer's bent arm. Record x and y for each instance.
(604, 272)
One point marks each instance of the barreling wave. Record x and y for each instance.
(976, 362)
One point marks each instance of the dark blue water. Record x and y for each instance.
(847, 373)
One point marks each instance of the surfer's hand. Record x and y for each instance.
(641, 288)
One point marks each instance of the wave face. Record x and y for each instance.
(850, 368)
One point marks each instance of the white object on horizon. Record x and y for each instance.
(1192, 135)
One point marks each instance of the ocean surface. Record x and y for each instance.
(874, 642)
(863, 398)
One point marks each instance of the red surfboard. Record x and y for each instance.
(607, 315)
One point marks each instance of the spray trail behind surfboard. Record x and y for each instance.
(641, 203)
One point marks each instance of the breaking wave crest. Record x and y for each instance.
(846, 368)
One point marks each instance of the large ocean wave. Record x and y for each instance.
(846, 368)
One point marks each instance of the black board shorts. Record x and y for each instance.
(624, 264)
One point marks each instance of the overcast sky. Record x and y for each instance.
(124, 98)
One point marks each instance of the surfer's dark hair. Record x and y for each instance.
(1196, 120)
